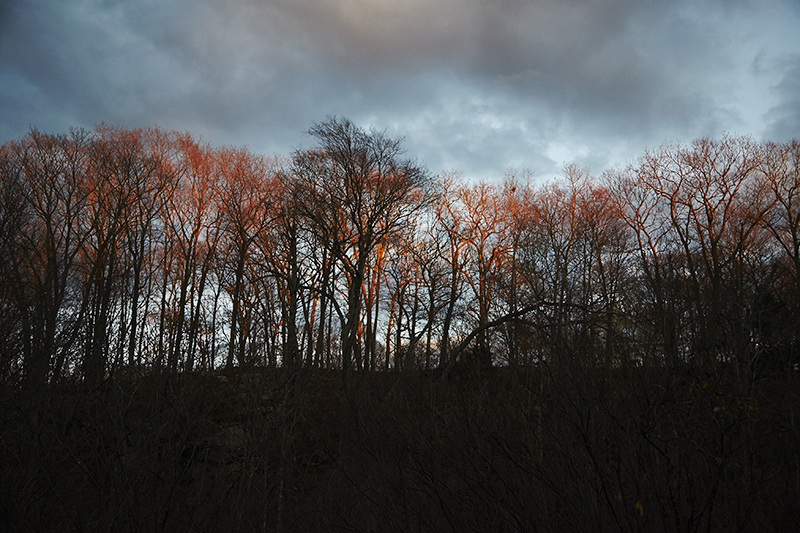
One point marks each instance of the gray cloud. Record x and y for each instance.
(784, 117)
(473, 85)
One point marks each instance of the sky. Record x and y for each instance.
(473, 86)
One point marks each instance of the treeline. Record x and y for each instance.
(147, 249)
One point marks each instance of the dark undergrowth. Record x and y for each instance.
(624, 449)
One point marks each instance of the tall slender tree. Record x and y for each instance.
(356, 192)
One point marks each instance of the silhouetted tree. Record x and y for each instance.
(357, 191)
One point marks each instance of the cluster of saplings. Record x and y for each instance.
(199, 338)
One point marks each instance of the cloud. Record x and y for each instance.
(784, 117)
(474, 85)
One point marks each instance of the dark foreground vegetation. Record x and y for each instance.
(638, 448)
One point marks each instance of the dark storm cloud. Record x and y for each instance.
(474, 85)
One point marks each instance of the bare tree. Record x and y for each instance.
(356, 191)
(192, 226)
(245, 190)
(46, 172)
(448, 228)
(123, 175)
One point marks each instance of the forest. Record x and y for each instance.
(200, 338)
